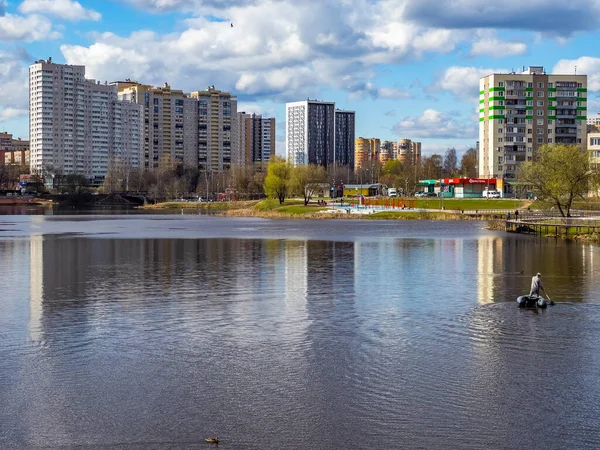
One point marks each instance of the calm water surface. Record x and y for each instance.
(137, 332)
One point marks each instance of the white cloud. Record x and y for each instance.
(494, 47)
(462, 81)
(65, 9)
(29, 28)
(14, 79)
(586, 65)
(436, 125)
(12, 113)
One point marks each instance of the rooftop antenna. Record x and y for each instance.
(575, 70)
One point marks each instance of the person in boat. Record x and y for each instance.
(536, 285)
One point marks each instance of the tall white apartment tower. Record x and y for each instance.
(310, 132)
(521, 111)
(74, 122)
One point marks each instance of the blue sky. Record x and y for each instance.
(409, 68)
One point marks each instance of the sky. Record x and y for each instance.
(409, 68)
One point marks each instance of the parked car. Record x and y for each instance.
(420, 194)
(431, 194)
(391, 192)
(491, 193)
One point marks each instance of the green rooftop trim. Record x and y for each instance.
(581, 89)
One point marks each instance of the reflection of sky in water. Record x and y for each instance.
(282, 332)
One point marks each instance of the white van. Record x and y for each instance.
(392, 192)
(491, 193)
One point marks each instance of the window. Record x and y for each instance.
(539, 131)
(529, 149)
(550, 85)
(530, 140)
(540, 140)
(540, 121)
(530, 85)
(499, 149)
(541, 85)
(499, 139)
(500, 159)
(500, 130)
(549, 140)
(529, 121)
(579, 85)
(594, 141)
(529, 102)
(540, 93)
(529, 94)
(549, 130)
(540, 102)
(500, 120)
(529, 131)
(578, 103)
(540, 112)
(501, 84)
(549, 121)
(501, 103)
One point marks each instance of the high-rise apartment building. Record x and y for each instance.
(312, 132)
(256, 139)
(344, 138)
(367, 152)
(170, 129)
(409, 151)
(521, 111)
(310, 136)
(72, 122)
(217, 128)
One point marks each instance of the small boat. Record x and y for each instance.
(532, 301)
(212, 440)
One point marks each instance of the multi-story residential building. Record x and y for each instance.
(72, 121)
(409, 151)
(312, 132)
(217, 128)
(593, 143)
(367, 152)
(344, 138)
(310, 135)
(521, 111)
(593, 120)
(386, 152)
(166, 113)
(256, 140)
(13, 151)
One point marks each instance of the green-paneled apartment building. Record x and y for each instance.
(519, 112)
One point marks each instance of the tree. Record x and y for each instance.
(277, 181)
(450, 163)
(305, 180)
(559, 174)
(468, 163)
(432, 167)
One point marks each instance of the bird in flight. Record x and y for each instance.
(231, 25)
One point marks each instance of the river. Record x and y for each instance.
(156, 331)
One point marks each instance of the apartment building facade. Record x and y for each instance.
(367, 151)
(345, 124)
(72, 122)
(519, 112)
(13, 151)
(408, 151)
(312, 129)
(256, 140)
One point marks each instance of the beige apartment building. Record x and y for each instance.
(521, 111)
(13, 151)
(409, 151)
(366, 151)
(256, 140)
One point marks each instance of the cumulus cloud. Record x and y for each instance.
(550, 16)
(28, 29)
(64, 9)
(462, 81)
(12, 113)
(435, 124)
(14, 78)
(491, 46)
(586, 65)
